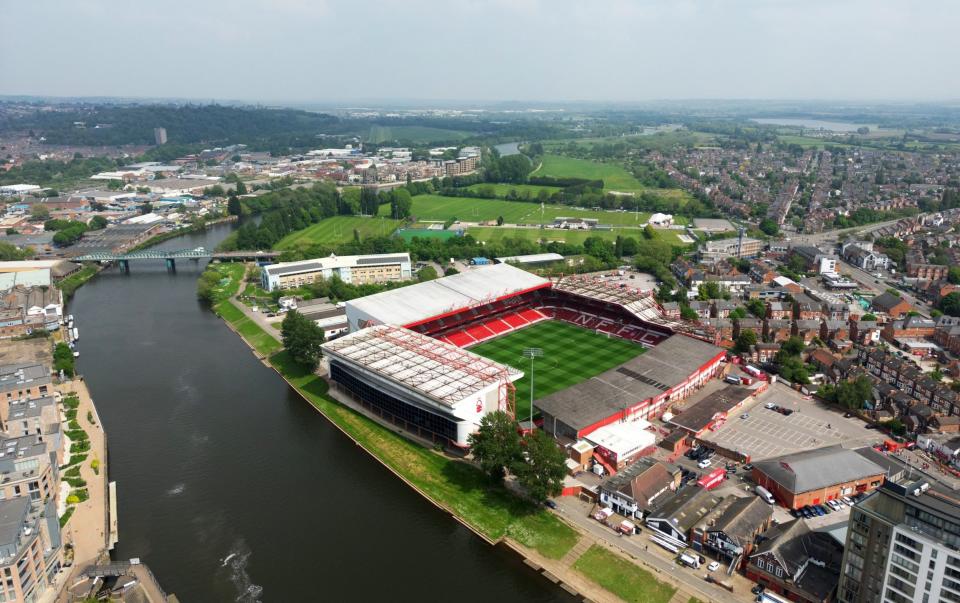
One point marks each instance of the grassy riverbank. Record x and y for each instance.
(622, 578)
(73, 282)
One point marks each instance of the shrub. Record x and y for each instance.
(77, 447)
(81, 494)
(73, 499)
(95, 465)
(66, 516)
(90, 416)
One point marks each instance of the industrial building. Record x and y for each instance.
(355, 269)
(431, 388)
(812, 477)
(642, 388)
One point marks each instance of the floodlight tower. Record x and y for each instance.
(532, 353)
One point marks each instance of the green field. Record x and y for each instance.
(574, 237)
(501, 189)
(380, 134)
(338, 229)
(471, 209)
(570, 355)
(614, 177)
(623, 578)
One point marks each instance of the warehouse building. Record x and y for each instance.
(355, 269)
(812, 477)
(431, 388)
(642, 388)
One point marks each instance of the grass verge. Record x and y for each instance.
(622, 578)
(73, 282)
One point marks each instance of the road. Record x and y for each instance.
(869, 281)
(833, 236)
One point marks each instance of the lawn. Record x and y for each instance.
(265, 343)
(622, 578)
(473, 209)
(615, 178)
(570, 355)
(522, 190)
(575, 237)
(456, 485)
(338, 229)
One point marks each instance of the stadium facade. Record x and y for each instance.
(436, 320)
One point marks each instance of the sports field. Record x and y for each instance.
(380, 134)
(473, 209)
(614, 177)
(523, 190)
(338, 229)
(570, 355)
(574, 237)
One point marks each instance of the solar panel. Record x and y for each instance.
(394, 259)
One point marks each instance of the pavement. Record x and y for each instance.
(766, 433)
(658, 561)
(88, 528)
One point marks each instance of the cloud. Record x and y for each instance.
(619, 50)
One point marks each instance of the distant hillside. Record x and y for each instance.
(187, 124)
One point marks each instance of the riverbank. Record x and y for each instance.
(559, 551)
(173, 234)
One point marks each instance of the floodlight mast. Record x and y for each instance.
(532, 353)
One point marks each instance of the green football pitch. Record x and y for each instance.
(570, 355)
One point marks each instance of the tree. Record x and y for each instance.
(738, 313)
(648, 232)
(499, 220)
(302, 339)
(769, 227)
(114, 185)
(852, 394)
(496, 444)
(744, 341)
(950, 304)
(401, 204)
(146, 208)
(427, 273)
(869, 317)
(953, 275)
(241, 188)
(63, 359)
(688, 313)
(757, 308)
(793, 346)
(542, 473)
(39, 213)
(98, 223)
(450, 271)
(233, 206)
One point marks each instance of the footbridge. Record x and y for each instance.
(170, 256)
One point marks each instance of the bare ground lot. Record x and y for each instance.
(766, 433)
(26, 351)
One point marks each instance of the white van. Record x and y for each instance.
(690, 560)
(765, 494)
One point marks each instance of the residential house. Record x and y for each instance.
(806, 330)
(675, 516)
(891, 305)
(864, 332)
(779, 310)
(748, 324)
(633, 491)
(777, 330)
(834, 329)
(911, 327)
(722, 308)
(731, 530)
(763, 352)
(794, 561)
(806, 308)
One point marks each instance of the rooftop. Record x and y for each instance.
(700, 415)
(421, 302)
(660, 369)
(438, 370)
(820, 468)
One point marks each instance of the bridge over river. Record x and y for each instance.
(172, 255)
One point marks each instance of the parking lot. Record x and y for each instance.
(766, 433)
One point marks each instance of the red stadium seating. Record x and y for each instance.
(460, 339)
(514, 320)
(498, 326)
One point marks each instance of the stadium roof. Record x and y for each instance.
(418, 303)
(438, 370)
(698, 417)
(820, 468)
(660, 369)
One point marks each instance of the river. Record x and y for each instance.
(233, 489)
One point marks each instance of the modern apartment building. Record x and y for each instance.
(903, 546)
(714, 251)
(30, 548)
(356, 269)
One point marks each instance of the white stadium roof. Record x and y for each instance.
(417, 303)
(439, 370)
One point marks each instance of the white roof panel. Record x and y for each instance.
(420, 302)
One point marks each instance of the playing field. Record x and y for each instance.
(473, 209)
(570, 355)
(338, 229)
(523, 191)
(574, 237)
(614, 177)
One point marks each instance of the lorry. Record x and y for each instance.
(753, 371)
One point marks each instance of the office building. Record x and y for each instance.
(355, 269)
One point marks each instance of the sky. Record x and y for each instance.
(275, 51)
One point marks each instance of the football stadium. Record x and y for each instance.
(435, 357)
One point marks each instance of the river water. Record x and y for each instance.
(232, 489)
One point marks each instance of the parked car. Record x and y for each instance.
(848, 500)
(806, 512)
(748, 467)
(795, 513)
(821, 511)
(704, 463)
(770, 405)
(745, 416)
(714, 566)
(550, 504)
